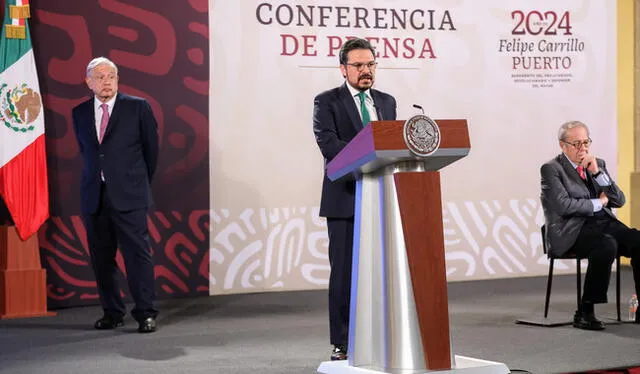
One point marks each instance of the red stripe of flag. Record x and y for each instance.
(24, 188)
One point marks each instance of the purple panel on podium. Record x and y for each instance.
(361, 151)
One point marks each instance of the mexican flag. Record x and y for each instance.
(23, 164)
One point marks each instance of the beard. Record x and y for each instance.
(365, 80)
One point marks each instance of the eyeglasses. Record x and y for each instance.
(360, 66)
(578, 144)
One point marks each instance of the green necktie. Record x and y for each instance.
(363, 109)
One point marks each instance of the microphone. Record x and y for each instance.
(418, 107)
(378, 112)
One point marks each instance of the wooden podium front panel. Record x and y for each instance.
(421, 211)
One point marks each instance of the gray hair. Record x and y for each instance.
(562, 131)
(100, 61)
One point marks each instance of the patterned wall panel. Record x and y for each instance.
(286, 248)
(161, 49)
(268, 249)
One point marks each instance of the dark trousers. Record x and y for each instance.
(107, 230)
(340, 257)
(601, 240)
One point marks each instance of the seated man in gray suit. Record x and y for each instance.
(577, 196)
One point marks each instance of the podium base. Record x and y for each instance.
(464, 365)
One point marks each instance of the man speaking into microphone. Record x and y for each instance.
(338, 115)
(577, 197)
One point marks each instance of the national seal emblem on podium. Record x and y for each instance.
(421, 135)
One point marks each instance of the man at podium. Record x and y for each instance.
(338, 115)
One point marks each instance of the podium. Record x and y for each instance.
(399, 315)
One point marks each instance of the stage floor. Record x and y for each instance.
(288, 333)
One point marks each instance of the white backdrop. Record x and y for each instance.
(515, 69)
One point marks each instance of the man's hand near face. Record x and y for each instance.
(589, 163)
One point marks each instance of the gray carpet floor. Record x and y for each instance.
(288, 333)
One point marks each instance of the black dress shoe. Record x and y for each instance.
(108, 323)
(147, 325)
(587, 321)
(339, 352)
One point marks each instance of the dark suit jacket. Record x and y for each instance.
(127, 156)
(335, 122)
(566, 202)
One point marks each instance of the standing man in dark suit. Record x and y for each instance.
(577, 196)
(118, 139)
(338, 115)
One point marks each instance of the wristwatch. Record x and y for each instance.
(596, 175)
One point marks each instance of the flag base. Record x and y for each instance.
(23, 282)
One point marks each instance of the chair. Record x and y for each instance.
(548, 322)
